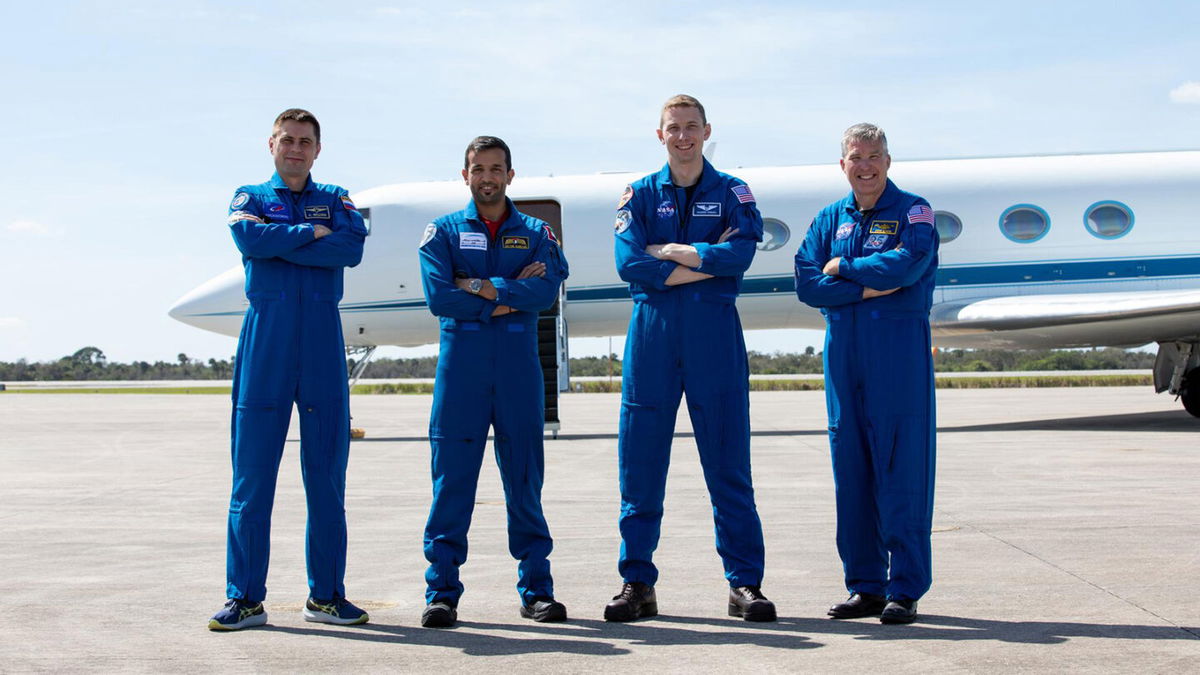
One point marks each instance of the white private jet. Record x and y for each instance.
(1037, 252)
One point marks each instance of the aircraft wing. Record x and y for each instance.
(1075, 319)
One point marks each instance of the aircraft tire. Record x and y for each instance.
(1190, 392)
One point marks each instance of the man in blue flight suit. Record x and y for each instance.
(684, 238)
(487, 271)
(295, 237)
(868, 262)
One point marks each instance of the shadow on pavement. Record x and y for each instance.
(1171, 420)
(591, 636)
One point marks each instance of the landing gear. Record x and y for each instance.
(364, 355)
(1177, 371)
(1189, 393)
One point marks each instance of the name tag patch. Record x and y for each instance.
(875, 241)
(711, 209)
(472, 240)
(515, 242)
(844, 230)
(316, 213)
(884, 227)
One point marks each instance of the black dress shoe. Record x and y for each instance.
(635, 601)
(858, 605)
(899, 611)
(439, 615)
(749, 603)
(544, 610)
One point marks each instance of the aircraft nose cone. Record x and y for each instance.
(216, 305)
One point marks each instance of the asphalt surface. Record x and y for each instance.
(1067, 533)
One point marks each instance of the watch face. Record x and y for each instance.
(476, 285)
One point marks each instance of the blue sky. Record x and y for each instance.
(126, 125)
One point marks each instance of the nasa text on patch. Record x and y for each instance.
(316, 212)
(712, 209)
(515, 242)
(844, 230)
(666, 209)
(884, 227)
(472, 240)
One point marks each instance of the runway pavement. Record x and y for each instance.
(1067, 533)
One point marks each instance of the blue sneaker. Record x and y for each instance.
(238, 614)
(338, 610)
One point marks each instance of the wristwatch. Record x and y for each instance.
(475, 285)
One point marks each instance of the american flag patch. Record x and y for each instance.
(920, 214)
(743, 193)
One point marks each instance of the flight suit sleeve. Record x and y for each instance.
(634, 265)
(437, 279)
(813, 286)
(341, 248)
(901, 266)
(262, 240)
(733, 256)
(535, 293)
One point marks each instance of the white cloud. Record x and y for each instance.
(11, 323)
(1188, 92)
(30, 227)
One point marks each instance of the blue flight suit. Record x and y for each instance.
(687, 338)
(291, 351)
(488, 374)
(878, 384)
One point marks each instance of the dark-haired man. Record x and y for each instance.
(487, 271)
(868, 262)
(684, 237)
(295, 237)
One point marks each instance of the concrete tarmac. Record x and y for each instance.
(1067, 533)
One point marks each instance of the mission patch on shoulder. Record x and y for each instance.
(625, 196)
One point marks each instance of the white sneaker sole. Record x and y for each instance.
(322, 617)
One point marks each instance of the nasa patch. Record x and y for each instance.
(472, 240)
(712, 209)
(430, 230)
(666, 209)
(875, 241)
(844, 231)
(239, 200)
(625, 196)
(624, 217)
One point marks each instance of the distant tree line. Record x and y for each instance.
(90, 363)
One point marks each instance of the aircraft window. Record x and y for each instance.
(948, 225)
(366, 214)
(1024, 223)
(1108, 219)
(775, 234)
